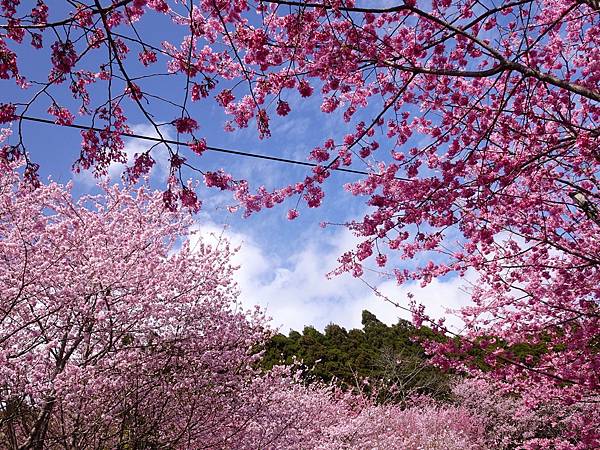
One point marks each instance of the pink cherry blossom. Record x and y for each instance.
(185, 125)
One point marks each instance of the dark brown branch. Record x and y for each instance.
(449, 72)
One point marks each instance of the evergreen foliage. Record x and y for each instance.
(377, 358)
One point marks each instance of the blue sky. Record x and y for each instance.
(283, 263)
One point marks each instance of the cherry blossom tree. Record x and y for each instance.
(113, 330)
(475, 124)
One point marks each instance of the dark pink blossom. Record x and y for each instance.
(185, 125)
(36, 40)
(224, 97)
(283, 108)
(7, 112)
(63, 115)
(39, 14)
(218, 179)
(189, 200)
(198, 146)
(305, 89)
(147, 57)
(63, 57)
(262, 121)
(142, 164)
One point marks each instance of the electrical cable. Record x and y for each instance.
(208, 147)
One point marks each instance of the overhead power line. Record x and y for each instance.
(186, 144)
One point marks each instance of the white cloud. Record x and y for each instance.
(295, 292)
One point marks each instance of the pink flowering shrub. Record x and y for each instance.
(512, 421)
(427, 427)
